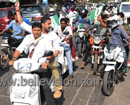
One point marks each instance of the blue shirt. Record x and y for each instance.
(17, 29)
(84, 21)
(118, 35)
(26, 20)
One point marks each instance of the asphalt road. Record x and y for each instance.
(80, 94)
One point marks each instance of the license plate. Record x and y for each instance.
(19, 94)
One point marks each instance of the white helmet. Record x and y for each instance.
(51, 11)
(114, 21)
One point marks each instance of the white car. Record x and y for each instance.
(125, 8)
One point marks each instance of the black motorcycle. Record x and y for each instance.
(8, 46)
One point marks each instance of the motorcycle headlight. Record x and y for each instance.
(110, 56)
(97, 40)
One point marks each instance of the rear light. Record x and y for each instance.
(38, 18)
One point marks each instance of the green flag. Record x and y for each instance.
(80, 26)
(54, 20)
(96, 12)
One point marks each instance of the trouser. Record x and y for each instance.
(124, 66)
(72, 49)
(75, 43)
(67, 50)
(127, 50)
(87, 54)
(44, 77)
(56, 75)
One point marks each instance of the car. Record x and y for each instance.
(33, 12)
(125, 8)
(46, 7)
(6, 16)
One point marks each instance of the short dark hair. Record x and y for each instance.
(44, 19)
(104, 16)
(36, 24)
(122, 14)
(67, 19)
(63, 19)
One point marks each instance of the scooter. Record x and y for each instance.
(113, 61)
(26, 90)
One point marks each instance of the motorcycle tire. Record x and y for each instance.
(79, 50)
(108, 83)
(95, 64)
(4, 59)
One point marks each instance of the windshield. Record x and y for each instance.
(30, 10)
(125, 8)
(3, 14)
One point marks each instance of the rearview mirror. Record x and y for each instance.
(48, 53)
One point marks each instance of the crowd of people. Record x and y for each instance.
(52, 34)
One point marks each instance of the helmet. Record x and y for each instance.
(51, 11)
(84, 13)
(114, 21)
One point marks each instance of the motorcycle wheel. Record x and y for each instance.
(108, 83)
(79, 49)
(95, 64)
(4, 59)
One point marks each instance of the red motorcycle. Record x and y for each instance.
(97, 52)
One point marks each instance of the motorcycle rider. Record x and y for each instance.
(35, 45)
(54, 40)
(100, 30)
(126, 27)
(85, 23)
(61, 30)
(118, 34)
(18, 31)
(71, 42)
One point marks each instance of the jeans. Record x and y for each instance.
(124, 66)
(75, 43)
(67, 50)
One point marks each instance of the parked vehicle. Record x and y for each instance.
(33, 12)
(113, 61)
(6, 16)
(125, 8)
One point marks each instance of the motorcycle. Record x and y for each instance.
(97, 52)
(82, 42)
(29, 94)
(8, 46)
(113, 61)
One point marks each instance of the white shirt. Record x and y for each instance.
(60, 33)
(39, 49)
(54, 40)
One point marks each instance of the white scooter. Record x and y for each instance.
(30, 94)
(113, 60)
(26, 90)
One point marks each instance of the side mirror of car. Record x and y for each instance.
(48, 53)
